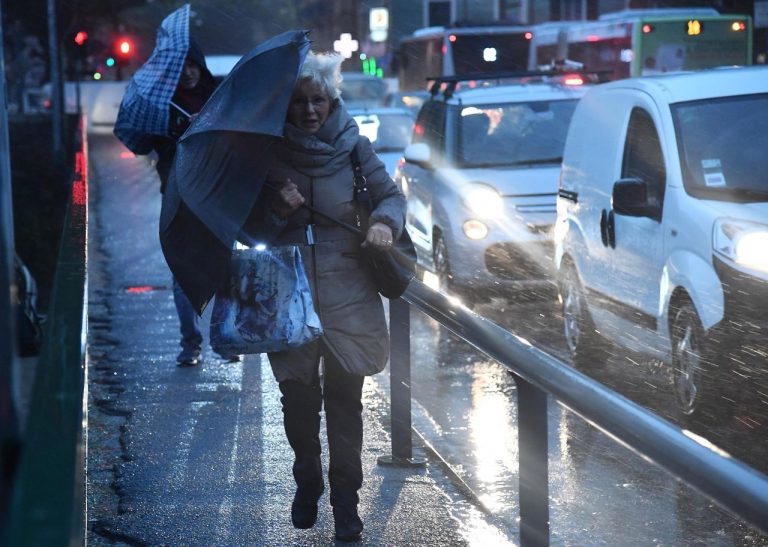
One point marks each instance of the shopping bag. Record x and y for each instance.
(267, 305)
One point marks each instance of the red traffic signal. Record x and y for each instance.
(81, 37)
(124, 47)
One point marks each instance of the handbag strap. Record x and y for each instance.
(362, 196)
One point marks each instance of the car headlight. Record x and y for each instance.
(745, 243)
(484, 201)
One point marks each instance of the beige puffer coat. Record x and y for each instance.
(347, 302)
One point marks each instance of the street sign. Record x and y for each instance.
(379, 24)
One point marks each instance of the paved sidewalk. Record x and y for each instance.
(197, 456)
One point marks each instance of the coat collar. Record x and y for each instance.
(324, 152)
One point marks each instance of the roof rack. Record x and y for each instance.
(560, 68)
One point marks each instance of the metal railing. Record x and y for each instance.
(729, 483)
(48, 498)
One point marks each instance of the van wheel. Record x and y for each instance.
(588, 349)
(689, 354)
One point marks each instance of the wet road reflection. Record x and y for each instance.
(601, 493)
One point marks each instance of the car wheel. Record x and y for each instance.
(443, 271)
(442, 265)
(587, 348)
(689, 354)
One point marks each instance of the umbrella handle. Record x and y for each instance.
(184, 112)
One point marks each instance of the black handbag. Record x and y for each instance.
(393, 270)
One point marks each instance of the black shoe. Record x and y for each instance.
(349, 527)
(188, 358)
(304, 509)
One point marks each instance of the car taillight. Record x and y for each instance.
(573, 79)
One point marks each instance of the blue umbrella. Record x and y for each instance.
(144, 109)
(222, 160)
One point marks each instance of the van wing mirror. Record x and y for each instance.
(630, 198)
(419, 154)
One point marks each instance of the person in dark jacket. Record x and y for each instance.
(195, 85)
(313, 165)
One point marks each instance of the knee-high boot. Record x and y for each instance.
(342, 393)
(301, 418)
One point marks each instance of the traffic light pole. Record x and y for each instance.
(57, 87)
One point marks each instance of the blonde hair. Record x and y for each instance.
(323, 69)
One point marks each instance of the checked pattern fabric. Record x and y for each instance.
(144, 109)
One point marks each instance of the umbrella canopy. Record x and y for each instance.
(144, 108)
(221, 163)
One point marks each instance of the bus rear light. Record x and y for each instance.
(738, 26)
(647, 29)
(444, 49)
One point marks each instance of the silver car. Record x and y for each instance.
(481, 178)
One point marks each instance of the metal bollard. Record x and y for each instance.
(400, 387)
(534, 472)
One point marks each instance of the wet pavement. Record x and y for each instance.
(197, 456)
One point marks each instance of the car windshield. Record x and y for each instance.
(514, 133)
(387, 132)
(723, 145)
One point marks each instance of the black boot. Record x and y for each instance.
(347, 522)
(301, 414)
(308, 473)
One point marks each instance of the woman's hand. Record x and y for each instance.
(379, 237)
(288, 199)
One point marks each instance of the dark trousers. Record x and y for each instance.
(341, 395)
(189, 322)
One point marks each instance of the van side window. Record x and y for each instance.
(642, 156)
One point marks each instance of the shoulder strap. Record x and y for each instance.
(362, 196)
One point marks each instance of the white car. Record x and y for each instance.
(662, 221)
(480, 177)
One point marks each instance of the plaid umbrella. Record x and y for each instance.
(144, 108)
(221, 163)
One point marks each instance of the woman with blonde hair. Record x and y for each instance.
(313, 165)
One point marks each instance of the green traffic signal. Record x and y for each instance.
(110, 61)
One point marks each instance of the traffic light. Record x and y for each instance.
(80, 40)
(123, 51)
(81, 37)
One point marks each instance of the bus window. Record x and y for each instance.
(607, 54)
(475, 53)
(459, 51)
(419, 59)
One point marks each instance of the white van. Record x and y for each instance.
(661, 240)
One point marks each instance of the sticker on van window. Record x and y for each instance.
(713, 173)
